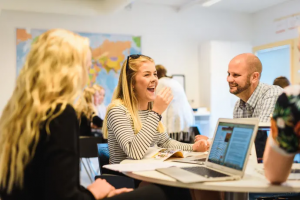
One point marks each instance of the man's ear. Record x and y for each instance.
(255, 77)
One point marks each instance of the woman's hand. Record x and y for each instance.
(94, 126)
(200, 137)
(119, 191)
(100, 188)
(162, 100)
(201, 146)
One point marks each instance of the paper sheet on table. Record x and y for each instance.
(148, 157)
(195, 154)
(136, 167)
(153, 151)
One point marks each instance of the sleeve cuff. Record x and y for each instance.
(276, 148)
(159, 116)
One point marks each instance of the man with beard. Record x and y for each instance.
(257, 100)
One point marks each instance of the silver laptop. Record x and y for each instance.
(228, 154)
(259, 148)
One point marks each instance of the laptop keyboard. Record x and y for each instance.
(295, 171)
(203, 171)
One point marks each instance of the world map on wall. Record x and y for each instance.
(108, 51)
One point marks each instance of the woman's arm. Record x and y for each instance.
(134, 145)
(277, 166)
(97, 121)
(283, 142)
(166, 142)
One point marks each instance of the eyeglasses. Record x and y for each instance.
(133, 56)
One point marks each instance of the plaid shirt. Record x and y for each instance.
(260, 105)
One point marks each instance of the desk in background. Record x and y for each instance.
(202, 121)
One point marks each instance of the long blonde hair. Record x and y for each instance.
(55, 71)
(98, 87)
(85, 104)
(125, 95)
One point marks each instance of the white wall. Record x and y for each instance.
(169, 37)
(264, 26)
(265, 31)
(215, 57)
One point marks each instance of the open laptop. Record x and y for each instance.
(259, 148)
(227, 157)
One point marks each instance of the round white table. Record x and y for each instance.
(235, 190)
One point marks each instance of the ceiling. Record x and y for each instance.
(96, 7)
(245, 6)
(71, 7)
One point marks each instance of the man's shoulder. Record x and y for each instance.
(270, 90)
(237, 103)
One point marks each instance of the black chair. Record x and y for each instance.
(193, 131)
(87, 150)
(116, 179)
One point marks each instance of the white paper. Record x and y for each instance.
(194, 154)
(136, 167)
(150, 152)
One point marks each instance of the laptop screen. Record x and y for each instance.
(230, 145)
(260, 144)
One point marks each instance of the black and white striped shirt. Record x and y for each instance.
(122, 141)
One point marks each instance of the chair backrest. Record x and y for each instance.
(103, 156)
(88, 146)
(194, 130)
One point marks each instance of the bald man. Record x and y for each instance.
(257, 100)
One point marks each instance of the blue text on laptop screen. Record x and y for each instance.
(231, 144)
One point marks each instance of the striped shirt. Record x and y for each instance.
(260, 105)
(122, 141)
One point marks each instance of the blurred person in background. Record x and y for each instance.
(281, 81)
(178, 117)
(87, 114)
(99, 100)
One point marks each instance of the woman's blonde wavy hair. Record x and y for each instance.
(55, 71)
(125, 95)
(85, 104)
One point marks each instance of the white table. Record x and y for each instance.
(235, 190)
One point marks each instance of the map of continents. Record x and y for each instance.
(108, 51)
